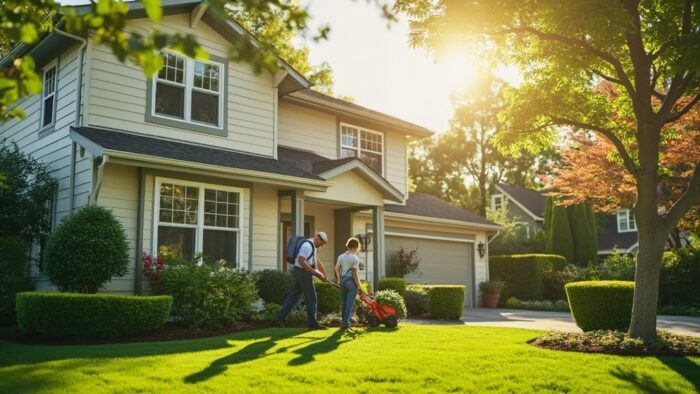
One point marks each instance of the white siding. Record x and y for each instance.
(118, 94)
(396, 161)
(308, 129)
(265, 227)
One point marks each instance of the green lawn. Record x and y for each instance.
(415, 358)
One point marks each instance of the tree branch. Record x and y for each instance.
(678, 85)
(609, 135)
(605, 77)
(581, 45)
(690, 198)
(672, 117)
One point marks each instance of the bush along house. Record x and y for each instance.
(209, 157)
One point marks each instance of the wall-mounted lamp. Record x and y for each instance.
(481, 248)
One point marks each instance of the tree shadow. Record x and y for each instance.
(253, 351)
(684, 367)
(648, 384)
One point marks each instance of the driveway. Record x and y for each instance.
(560, 321)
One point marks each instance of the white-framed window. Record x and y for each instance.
(522, 228)
(48, 94)
(190, 90)
(497, 202)
(625, 221)
(192, 218)
(365, 144)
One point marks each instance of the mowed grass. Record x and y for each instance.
(414, 358)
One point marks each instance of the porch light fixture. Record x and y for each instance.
(481, 248)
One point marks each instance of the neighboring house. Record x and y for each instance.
(209, 157)
(526, 206)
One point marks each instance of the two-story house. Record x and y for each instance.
(209, 157)
(526, 206)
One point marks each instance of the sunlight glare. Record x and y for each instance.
(457, 69)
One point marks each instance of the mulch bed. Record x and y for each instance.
(618, 343)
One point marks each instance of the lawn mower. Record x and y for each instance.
(378, 313)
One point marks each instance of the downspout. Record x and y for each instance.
(98, 181)
(77, 122)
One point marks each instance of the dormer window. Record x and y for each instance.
(497, 202)
(625, 221)
(48, 95)
(190, 91)
(365, 144)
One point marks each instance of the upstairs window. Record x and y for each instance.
(365, 144)
(189, 90)
(497, 202)
(48, 95)
(625, 221)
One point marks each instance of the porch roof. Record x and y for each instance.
(144, 148)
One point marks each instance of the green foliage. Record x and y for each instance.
(446, 301)
(273, 285)
(615, 267)
(328, 298)
(394, 299)
(491, 286)
(511, 239)
(417, 300)
(403, 262)
(601, 305)
(14, 254)
(25, 198)
(269, 314)
(208, 294)
(523, 274)
(73, 315)
(541, 305)
(87, 250)
(396, 284)
(560, 240)
(680, 277)
(620, 343)
(584, 233)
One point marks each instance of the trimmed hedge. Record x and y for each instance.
(601, 305)
(524, 274)
(396, 284)
(445, 301)
(73, 315)
(416, 299)
(14, 254)
(273, 285)
(328, 298)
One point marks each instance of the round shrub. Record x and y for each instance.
(273, 285)
(416, 299)
(208, 295)
(14, 254)
(394, 299)
(446, 301)
(86, 251)
(74, 315)
(601, 305)
(396, 284)
(328, 298)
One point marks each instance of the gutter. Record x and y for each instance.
(78, 107)
(98, 182)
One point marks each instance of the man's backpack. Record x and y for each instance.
(293, 247)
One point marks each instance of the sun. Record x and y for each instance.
(457, 69)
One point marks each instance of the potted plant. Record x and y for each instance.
(491, 291)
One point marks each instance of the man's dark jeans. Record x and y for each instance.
(303, 284)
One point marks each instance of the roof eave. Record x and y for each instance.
(388, 191)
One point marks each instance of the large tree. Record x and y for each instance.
(647, 49)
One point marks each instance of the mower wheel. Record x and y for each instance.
(390, 322)
(373, 321)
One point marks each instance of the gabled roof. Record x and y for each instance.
(433, 207)
(329, 168)
(334, 105)
(609, 237)
(531, 201)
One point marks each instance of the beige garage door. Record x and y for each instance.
(442, 262)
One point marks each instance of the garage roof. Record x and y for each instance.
(433, 207)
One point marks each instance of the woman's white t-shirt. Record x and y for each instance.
(347, 262)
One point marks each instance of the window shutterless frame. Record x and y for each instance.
(186, 122)
(358, 149)
(199, 227)
(625, 221)
(49, 91)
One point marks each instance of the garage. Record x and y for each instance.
(443, 260)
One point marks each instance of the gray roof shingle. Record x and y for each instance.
(184, 151)
(530, 199)
(430, 206)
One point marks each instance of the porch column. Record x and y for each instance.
(378, 241)
(297, 212)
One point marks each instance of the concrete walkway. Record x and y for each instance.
(560, 321)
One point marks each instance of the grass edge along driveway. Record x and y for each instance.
(414, 358)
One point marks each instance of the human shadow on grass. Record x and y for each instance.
(648, 384)
(308, 354)
(253, 351)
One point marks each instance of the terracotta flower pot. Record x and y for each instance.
(491, 299)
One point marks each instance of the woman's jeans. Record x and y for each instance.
(348, 292)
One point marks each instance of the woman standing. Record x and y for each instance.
(346, 277)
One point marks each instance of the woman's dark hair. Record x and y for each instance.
(352, 243)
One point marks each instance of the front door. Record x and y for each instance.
(286, 235)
